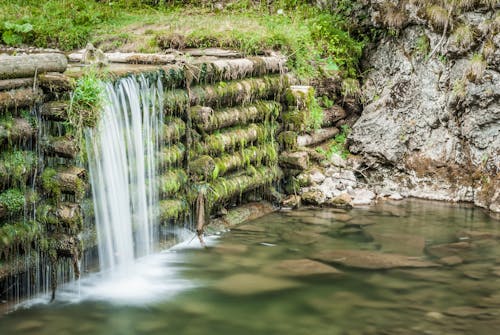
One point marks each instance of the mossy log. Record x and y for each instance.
(172, 209)
(243, 213)
(129, 58)
(332, 115)
(250, 155)
(171, 182)
(9, 84)
(71, 180)
(316, 137)
(171, 155)
(226, 93)
(55, 111)
(18, 237)
(224, 189)
(64, 146)
(288, 140)
(29, 65)
(202, 168)
(16, 130)
(55, 82)
(232, 138)
(63, 217)
(208, 120)
(173, 130)
(19, 98)
(16, 167)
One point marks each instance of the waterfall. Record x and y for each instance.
(121, 153)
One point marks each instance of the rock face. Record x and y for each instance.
(431, 126)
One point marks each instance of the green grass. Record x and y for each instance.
(311, 38)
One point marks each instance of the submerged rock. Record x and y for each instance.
(411, 245)
(247, 284)
(301, 267)
(372, 260)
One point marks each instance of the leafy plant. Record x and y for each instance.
(337, 145)
(12, 200)
(14, 33)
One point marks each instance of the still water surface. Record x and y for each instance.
(292, 273)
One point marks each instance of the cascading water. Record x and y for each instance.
(121, 153)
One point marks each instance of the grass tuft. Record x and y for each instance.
(476, 67)
(463, 36)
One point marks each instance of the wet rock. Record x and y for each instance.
(477, 235)
(396, 196)
(372, 260)
(316, 176)
(230, 248)
(451, 260)
(362, 197)
(298, 160)
(411, 245)
(301, 267)
(341, 201)
(435, 315)
(338, 161)
(450, 249)
(314, 197)
(292, 201)
(248, 284)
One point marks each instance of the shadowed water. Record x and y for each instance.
(271, 276)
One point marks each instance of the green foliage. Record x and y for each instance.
(423, 45)
(12, 201)
(337, 145)
(14, 33)
(50, 184)
(16, 167)
(86, 100)
(18, 235)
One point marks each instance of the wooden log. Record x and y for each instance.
(129, 58)
(71, 180)
(172, 209)
(55, 82)
(19, 98)
(64, 217)
(207, 119)
(316, 137)
(64, 146)
(17, 130)
(9, 84)
(212, 52)
(29, 65)
(226, 94)
(224, 189)
(242, 214)
(173, 130)
(251, 155)
(172, 182)
(202, 168)
(55, 111)
(171, 155)
(332, 115)
(230, 139)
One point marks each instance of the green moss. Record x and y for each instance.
(172, 181)
(172, 209)
(173, 129)
(50, 184)
(18, 236)
(16, 167)
(12, 201)
(171, 155)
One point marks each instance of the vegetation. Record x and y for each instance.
(310, 37)
(337, 145)
(12, 201)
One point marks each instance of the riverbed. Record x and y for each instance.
(408, 267)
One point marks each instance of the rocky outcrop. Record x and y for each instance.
(431, 124)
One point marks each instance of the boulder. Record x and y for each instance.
(298, 160)
(314, 197)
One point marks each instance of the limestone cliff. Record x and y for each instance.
(430, 127)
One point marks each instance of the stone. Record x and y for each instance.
(316, 176)
(450, 249)
(372, 260)
(435, 315)
(467, 312)
(362, 197)
(477, 235)
(294, 160)
(226, 248)
(314, 197)
(301, 267)
(451, 260)
(338, 161)
(292, 201)
(249, 284)
(341, 201)
(411, 245)
(396, 196)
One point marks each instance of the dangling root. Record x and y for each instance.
(200, 216)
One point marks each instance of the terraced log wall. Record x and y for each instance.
(226, 120)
